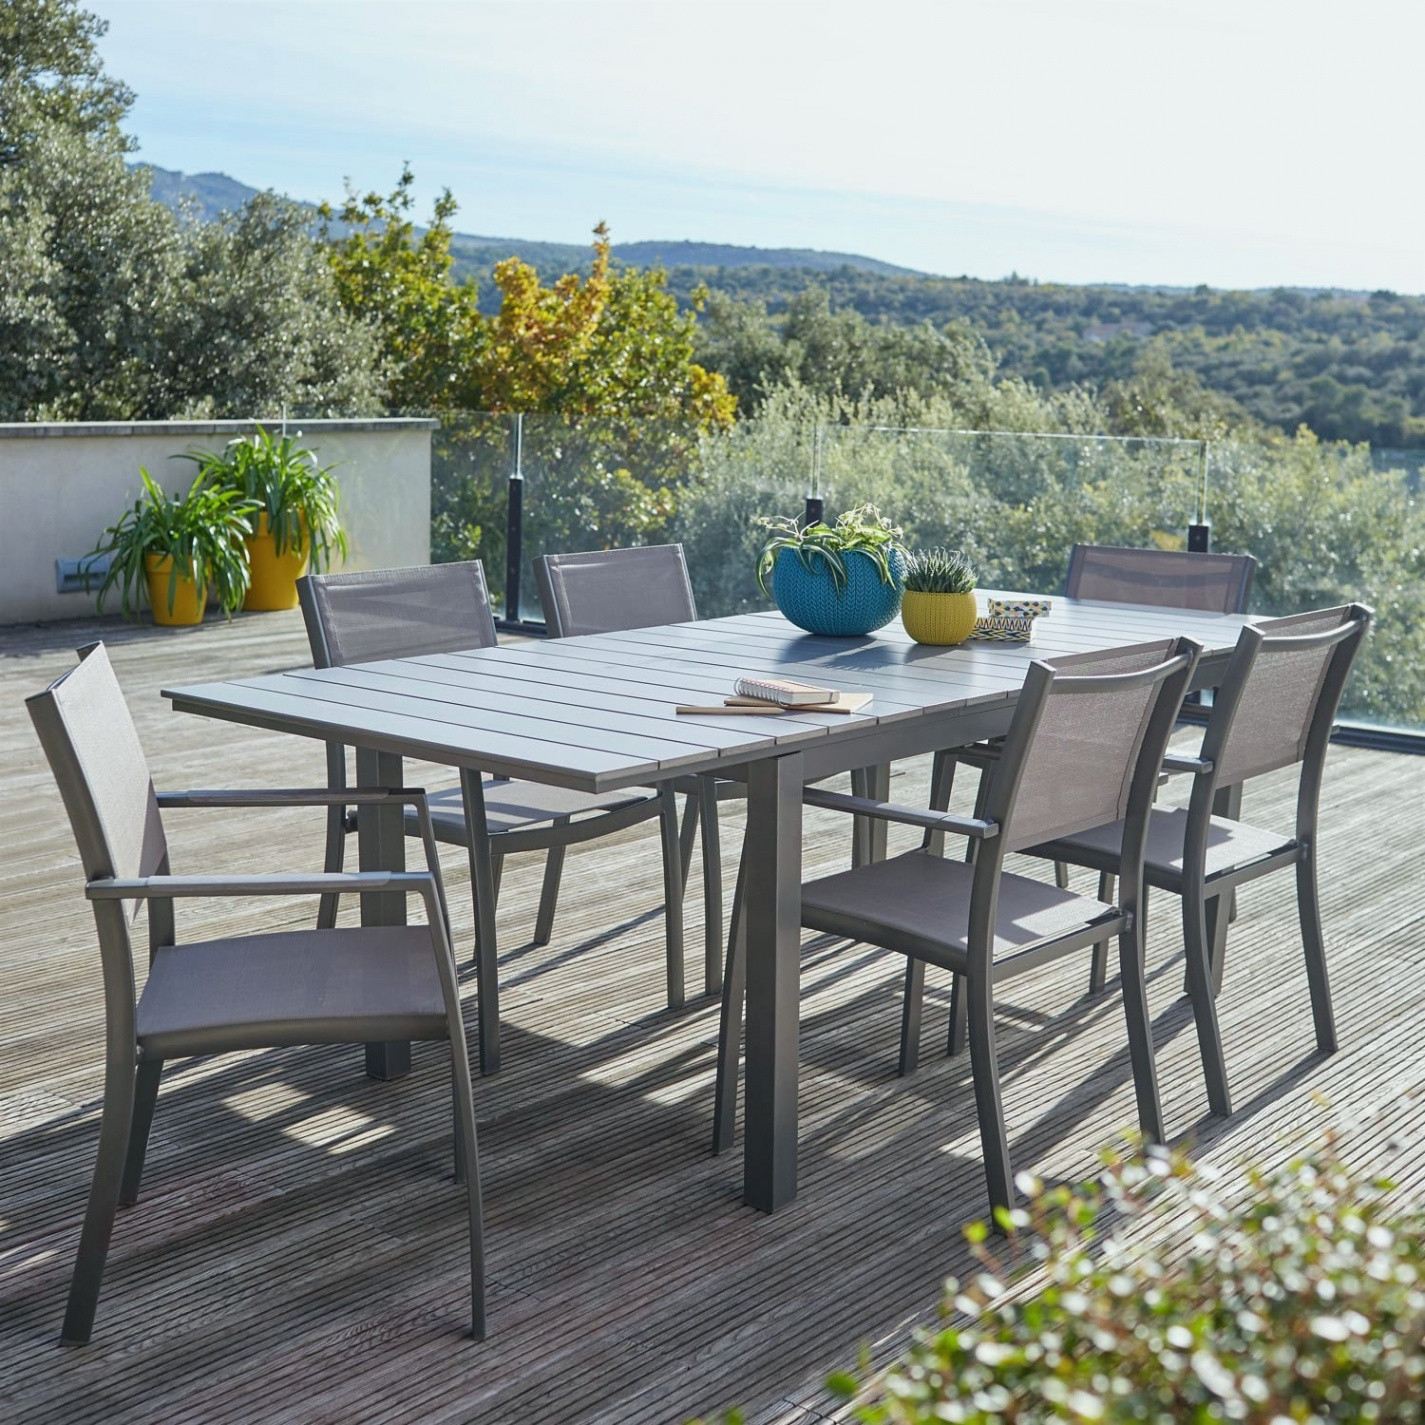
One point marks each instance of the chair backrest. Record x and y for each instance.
(613, 589)
(1279, 697)
(396, 613)
(1165, 578)
(1087, 740)
(93, 750)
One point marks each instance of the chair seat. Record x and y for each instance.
(294, 987)
(1230, 844)
(515, 806)
(919, 904)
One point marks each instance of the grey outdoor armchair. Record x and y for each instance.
(1088, 736)
(437, 611)
(232, 993)
(1274, 709)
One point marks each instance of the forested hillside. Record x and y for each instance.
(1350, 365)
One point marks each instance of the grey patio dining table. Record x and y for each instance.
(596, 713)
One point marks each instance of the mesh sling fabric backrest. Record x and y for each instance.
(1079, 769)
(94, 752)
(614, 589)
(1165, 578)
(1272, 719)
(397, 613)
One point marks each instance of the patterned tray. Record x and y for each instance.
(1019, 608)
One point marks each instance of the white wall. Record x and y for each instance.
(61, 484)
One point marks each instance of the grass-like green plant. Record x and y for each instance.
(938, 571)
(284, 482)
(1305, 1304)
(202, 531)
(863, 530)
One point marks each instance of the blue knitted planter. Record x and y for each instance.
(811, 601)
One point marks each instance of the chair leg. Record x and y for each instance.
(114, 1131)
(1061, 875)
(989, 1106)
(483, 862)
(712, 889)
(1140, 1034)
(911, 1002)
(729, 1034)
(1098, 971)
(942, 783)
(549, 891)
(497, 874)
(958, 1020)
(335, 856)
(672, 895)
(468, 1158)
(145, 1097)
(1204, 1003)
(1313, 942)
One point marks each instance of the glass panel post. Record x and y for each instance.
(514, 527)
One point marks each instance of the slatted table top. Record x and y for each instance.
(598, 712)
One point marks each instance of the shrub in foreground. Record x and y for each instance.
(1146, 1297)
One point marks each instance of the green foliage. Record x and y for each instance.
(863, 530)
(1151, 1297)
(1349, 365)
(113, 308)
(202, 531)
(938, 571)
(282, 480)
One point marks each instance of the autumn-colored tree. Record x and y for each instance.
(610, 344)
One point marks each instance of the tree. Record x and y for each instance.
(114, 308)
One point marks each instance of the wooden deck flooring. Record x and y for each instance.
(298, 1251)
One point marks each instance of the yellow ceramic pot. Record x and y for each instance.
(189, 600)
(274, 575)
(938, 618)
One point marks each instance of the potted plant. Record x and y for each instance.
(938, 605)
(296, 503)
(842, 579)
(175, 552)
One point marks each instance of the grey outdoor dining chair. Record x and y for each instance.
(1161, 578)
(443, 609)
(214, 996)
(1274, 709)
(1087, 737)
(608, 591)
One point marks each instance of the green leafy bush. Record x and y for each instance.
(1147, 1296)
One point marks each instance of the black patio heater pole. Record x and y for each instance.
(1199, 535)
(514, 528)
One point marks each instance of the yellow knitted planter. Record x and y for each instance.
(938, 618)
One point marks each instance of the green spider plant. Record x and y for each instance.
(201, 531)
(863, 530)
(284, 482)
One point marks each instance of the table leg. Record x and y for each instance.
(773, 869)
(868, 836)
(381, 843)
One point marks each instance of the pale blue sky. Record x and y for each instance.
(1242, 143)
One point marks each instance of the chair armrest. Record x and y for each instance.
(293, 797)
(908, 816)
(1197, 766)
(322, 796)
(296, 884)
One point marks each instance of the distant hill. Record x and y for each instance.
(213, 193)
(1351, 365)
